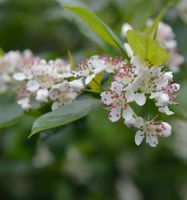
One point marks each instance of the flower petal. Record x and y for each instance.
(106, 98)
(77, 84)
(128, 50)
(42, 95)
(127, 113)
(139, 137)
(129, 95)
(140, 99)
(33, 85)
(97, 65)
(24, 103)
(139, 122)
(89, 78)
(116, 87)
(165, 110)
(114, 115)
(166, 129)
(19, 76)
(138, 62)
(152, 140)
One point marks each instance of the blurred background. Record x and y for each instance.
(91, 159)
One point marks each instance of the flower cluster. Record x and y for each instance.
(166, 37)
(46, 81)
(34, 78)
(13, 62)
(57, 83)
(136, 82)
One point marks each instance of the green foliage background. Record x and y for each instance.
(91, 159)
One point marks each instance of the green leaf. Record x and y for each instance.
(97, 25)
(71, 59)
(10, 113)
(84, 29)
(95, 84)
(68, 113)
(147, 48)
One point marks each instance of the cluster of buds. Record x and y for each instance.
(166, 37)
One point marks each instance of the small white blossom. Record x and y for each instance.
(42, 95)
(116, 103)
(10, 65)
(25, 103)
(62, 94)
(151, 130)
(88, 69)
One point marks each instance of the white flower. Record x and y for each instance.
(113, 63)
(77, 84)
(151, 130)
(165, 92)
(19, 76)
(46, 74)
(42, 95)
(25, 103)
(126, 75)
(33, 85)
(116, 103)
(90, 68)
(165, 110)
(149, 81)
(135, 122)
(12, 60)
(11, 63)
(62, 94)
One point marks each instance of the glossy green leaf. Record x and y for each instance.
(10, 113)
(97, 25)
(68, 113)
(147, 48)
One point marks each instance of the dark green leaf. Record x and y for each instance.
(97, 25)
(66, 114)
